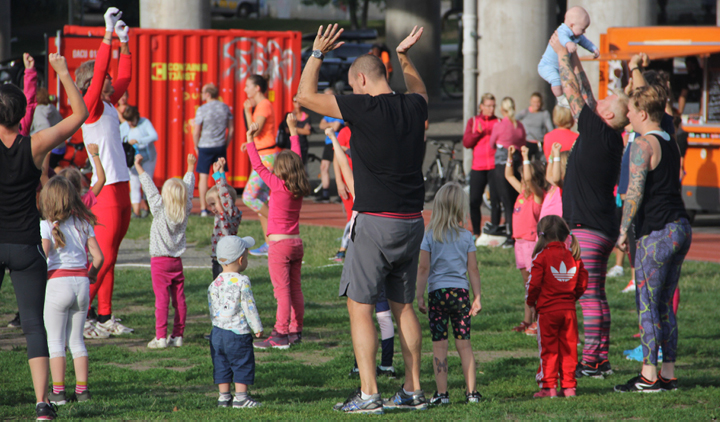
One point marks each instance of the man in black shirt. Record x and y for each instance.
(588, 200)
(387, 143)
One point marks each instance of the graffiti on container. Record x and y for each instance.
(249, 57)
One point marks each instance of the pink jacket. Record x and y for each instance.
(477, 136)
(29, 89)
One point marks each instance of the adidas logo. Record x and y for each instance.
(563, 274)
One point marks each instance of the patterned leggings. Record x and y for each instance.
(658, 262)
(256, 192)
(595, 250)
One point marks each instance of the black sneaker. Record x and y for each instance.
(57, 399)
(667, 384)
(639, 384)
(414, 401)
(387, 371)
(439, 399)
(45, 412)
(509, 243)
(355, 372)
(588, 370)
(473, 397)
(225, 401)
(605, 368)
(15, 323)
(355, 404)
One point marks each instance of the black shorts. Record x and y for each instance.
(207, 156)
(232, 356)
(328, 152)
(451, 305)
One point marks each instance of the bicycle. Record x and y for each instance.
(452, 78)
(439, 173)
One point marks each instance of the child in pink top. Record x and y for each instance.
(75, 177)
(526, 213)
(554, 174)
(288, 184)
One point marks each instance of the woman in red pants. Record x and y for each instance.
(103, 128)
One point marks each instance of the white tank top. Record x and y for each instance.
(106, 133)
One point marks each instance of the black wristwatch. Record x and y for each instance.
(318, 54)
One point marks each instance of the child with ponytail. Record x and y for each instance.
(67, 230)
(557, 280)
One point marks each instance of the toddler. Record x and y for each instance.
(447, 260)
(570, 33)
(167, 242)
(234, 314)
(557, 280)
(221, 201)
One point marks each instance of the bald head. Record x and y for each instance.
(578, 16)
(369, 65)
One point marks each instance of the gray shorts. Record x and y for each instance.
(383, 252)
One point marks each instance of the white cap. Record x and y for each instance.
(230, 248)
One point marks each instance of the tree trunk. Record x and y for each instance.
(366, 6)
(353, 6)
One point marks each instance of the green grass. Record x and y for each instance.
(128, 381)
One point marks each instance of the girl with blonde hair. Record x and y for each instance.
(66, 231)
(447, 260)
(170, 211)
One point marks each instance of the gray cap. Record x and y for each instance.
(230, 248)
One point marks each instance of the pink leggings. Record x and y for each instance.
(284, 262)
(167, 275)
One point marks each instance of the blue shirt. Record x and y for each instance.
(332, 120)
(448, 260)
(566, 35)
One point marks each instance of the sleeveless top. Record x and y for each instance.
(106, 133)
(526, 213)
(19, 179)
(662, 202)
(552, 203)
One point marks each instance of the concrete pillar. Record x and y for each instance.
(173, 14)
(401, 16)
(4, 29)
(717, 13)
(469, 51)
(513, 35)
(609, 13)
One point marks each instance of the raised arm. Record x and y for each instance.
(509, 174)
(45, 140)
(93, 92)
(413, 81)
(570, 84)
(588, 45)
(266, 175)
(555, 172)
(581, 76)
(307, 94)
(124, 75)
(635, 65)
(640, 157)
(189, 180)
(294, 138)
(94, 152)
(225, 198)
(29, 89)
(154, 198)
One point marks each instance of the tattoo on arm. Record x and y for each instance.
(571, 87)
(441, 366)
(640, 155)
(586, 90)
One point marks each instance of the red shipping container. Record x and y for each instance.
(169, 69)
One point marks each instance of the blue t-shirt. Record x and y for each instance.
(448, 260)
(332, 120)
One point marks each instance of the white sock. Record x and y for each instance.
(225, 396)
(365, 396)
(409, 393)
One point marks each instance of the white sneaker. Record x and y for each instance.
(175, 341)
(203, 213)
(562, 101)
(91, 330)
(158, 343)
(616, 271)
(630, 287)
(113, 327)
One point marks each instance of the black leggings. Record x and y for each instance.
(28, 271)
(479, 179)
(505, 194)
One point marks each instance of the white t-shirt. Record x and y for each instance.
(73, 255)
(106, 134)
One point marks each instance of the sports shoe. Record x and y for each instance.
(509, 243)
(225, 402)
(635, 354)
(567, 392)
(295, 338)
(158, 343)
(15, 323)
(520, 328)
(58, 399)
(247, 403)
(605, 367)
(84, 396)
(401, 400)
(630, 287)
(616, 271)
(639, 384)
(591, 370)
(473, 397)
(546, 392)
(277, 341)
(355, 404)
(438, 399)
(261, 251)
(354, 372)
(45, 412)
(91, 330)
(113, 327)
(667, 384)
(203, 213)
(531, 330)
(388, 371)
(174, 341)
(339, 256)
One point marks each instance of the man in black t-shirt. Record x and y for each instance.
(387, 143)
(588, 200)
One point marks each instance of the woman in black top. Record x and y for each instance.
(21, 252)
(663, 236)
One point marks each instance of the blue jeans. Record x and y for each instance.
(233, 357)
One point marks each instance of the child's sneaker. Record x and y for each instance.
(261, 251)
(402, 400)
(546, 392)
(387, 371)
(588, 370)
(114, 327)
(473, 397)
(616, 271)
(203, 213)
(15, 323)
(630, 287)
(355, 372)
(520, 328)
(355, 404)
(295, 338)
(439, 399)
(91, 331)
(279, 341)
(45, 412)
(58, 399)
(605, 367)
(531, 330)
(225, 401)
(667, 384)
(566, 392)
(84, 396)
(248, 402)
(158, 343)
(339, 256)
(174, 341)
(639, 384)
(635, 354)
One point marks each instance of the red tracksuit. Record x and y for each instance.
(556, 282)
